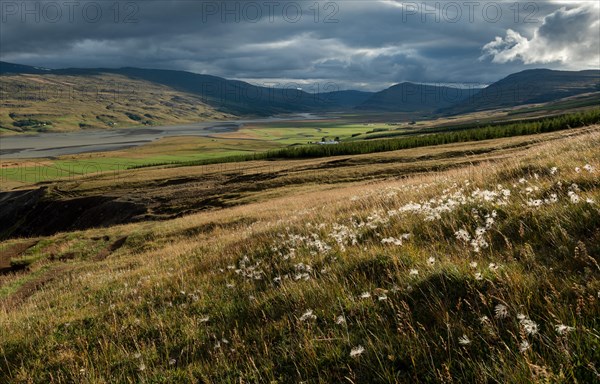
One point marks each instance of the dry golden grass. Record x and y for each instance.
(205, 297)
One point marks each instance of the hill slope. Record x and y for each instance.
(345, 99)
(410, 97)
(227, 96)
(480, 273)
(11, 68)
(50, 102)
(528, 87)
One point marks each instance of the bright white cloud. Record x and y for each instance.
(569, 36)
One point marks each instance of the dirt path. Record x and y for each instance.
(32, 286)
(103, 254)
(58, 270)
(8, 252)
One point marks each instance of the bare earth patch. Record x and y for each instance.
(8, 252)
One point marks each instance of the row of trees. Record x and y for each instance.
(543, 125)
(492, 131)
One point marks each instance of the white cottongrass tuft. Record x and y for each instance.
(530, 327)
(501, 311)
(562, 329)
(463, 235)
(391, 240)
(308, 315)
(357, 351)
(574, 197)
(464, 340)
(395, 241)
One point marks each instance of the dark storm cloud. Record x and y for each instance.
(365, 44)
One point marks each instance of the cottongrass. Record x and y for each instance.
(562, 329)
(262, 289)
(501, 311)
(357, 351)
(464, 340)
(530, 327)
(308, 315)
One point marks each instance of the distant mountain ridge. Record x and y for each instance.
(229, 96)
(411, 97)
(8, 68)
(241, 98)
(529, 87)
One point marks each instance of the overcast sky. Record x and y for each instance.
(352, 44)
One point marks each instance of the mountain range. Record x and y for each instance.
(411, 97)
(529, 87)
(220, 97)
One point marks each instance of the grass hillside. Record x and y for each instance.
(480, 273)
(529, 87)
(526, 87)
(51, 103)
(227, 96)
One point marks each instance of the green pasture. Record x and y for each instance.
(290, 133)
(256, 139)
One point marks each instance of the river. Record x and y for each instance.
(48, 145)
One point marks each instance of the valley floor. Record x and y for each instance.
(469, 262)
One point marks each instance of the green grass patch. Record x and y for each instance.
(501, 130)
